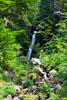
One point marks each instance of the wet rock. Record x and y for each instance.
(9, 97)
(36, 61)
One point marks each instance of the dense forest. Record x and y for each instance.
(33, 49)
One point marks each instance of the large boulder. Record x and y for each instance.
(36, 61)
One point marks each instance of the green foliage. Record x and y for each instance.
(36, 50)
(63, 99)
(21, 67)
(7, 79)
(8, 47)
(44, 23)
(19, 13)
(45, 89)
(27, 83)
(33, 75)
(63, 72)
(51, 38)
(63, 91)
(53, 97)
(23, 38)
(6, 90)
(55, 55)
(1, 92)
(59, 92)
(55, 60)
(56, 48)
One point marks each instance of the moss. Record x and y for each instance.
(45, 89)
(6, 90)
(27, 83)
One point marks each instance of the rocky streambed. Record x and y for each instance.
(34, 88)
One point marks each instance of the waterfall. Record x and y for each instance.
(45, 76)
(54, 2)
(31, 46)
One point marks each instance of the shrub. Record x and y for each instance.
(1, 92)
(5, 78)
(45, 89)
(8, 47)
(58, 92)
(27, 83)
(5, 90)
(63, 91)
(55, 60)
(8, 90)
(62, 73)
(33, 75)
(53, 97)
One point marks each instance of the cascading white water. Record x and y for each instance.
(54, 2)
(31, 46)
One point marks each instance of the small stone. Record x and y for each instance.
(16, 98)
(8, 74)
